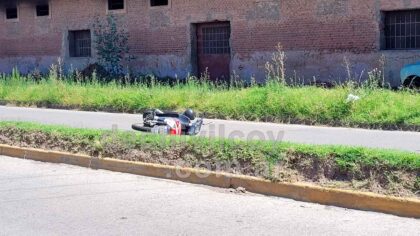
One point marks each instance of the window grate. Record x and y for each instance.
(83, 47)
(80, 43)
(402, 30)
(216, 40)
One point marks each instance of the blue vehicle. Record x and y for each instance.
(410, 75)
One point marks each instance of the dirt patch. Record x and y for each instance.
(380, 179)
(292, 167)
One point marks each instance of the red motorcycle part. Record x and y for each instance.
(177, 130)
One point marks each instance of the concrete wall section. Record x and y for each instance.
(309, 66)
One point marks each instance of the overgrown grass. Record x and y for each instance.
(377, 108)
(345, 157)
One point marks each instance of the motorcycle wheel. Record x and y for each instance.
(141, 128)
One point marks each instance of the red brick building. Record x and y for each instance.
(177, 37)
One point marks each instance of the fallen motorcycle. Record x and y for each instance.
(170, 123)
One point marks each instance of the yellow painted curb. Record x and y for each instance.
(301, 192)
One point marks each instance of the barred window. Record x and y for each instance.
(402, 30)
(216, 40)
(80, 43)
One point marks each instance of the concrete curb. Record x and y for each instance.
(300, 192)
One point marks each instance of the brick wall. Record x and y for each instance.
(160, 36)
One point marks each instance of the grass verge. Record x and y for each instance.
(377, 108)
(380, 171)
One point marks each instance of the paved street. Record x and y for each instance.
(409, 141)
(54, 199)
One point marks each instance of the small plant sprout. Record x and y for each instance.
(276, 69)
(374, 80)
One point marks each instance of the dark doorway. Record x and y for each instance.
(213, 50)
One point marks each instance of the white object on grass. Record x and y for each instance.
(352, 98)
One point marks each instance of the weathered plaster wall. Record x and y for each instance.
(317, 35)
(307, 66)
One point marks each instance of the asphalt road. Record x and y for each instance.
(409, 141)
(55, 199)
